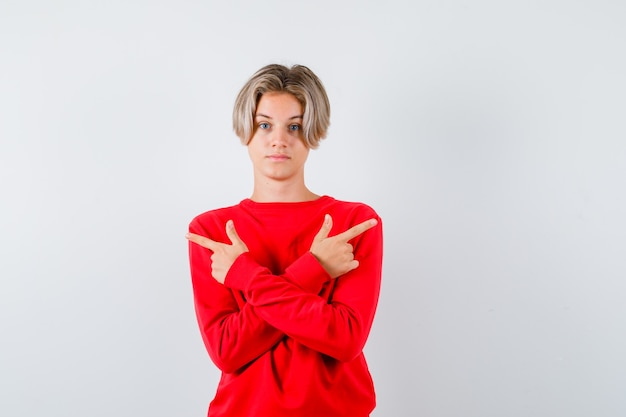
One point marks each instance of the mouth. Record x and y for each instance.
(278, 157)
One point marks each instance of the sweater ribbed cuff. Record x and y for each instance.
(306, 272)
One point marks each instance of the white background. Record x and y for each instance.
(489, 135)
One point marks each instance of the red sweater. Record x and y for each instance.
(288, 338)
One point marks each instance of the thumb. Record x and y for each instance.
(232, 234)
(325, 229)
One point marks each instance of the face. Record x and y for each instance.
(276, 149)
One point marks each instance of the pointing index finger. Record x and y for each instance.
(205, 242)
(357, 230)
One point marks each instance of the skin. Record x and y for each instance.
(277, 150)
(278, 156)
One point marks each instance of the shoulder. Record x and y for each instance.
(353, 207)
(347, 214)
(214, 217)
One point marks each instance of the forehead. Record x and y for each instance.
(278, 104)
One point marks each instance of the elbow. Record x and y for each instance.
(349, 338)
(349, 348)
(226, 365)
(348, 352)
(345, 358)
(223, 359)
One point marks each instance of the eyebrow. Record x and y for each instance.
(268, 117)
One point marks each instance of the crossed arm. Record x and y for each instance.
(289, 303)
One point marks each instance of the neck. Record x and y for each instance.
(277, 192)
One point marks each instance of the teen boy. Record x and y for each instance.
(286, 282)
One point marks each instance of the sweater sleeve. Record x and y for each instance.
(233, 333)
(338, 328)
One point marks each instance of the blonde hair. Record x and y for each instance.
(298, 81)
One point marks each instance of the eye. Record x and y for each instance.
(264, 125)
(295, 127)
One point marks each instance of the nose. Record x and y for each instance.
(279, 138)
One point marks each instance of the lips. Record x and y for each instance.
(278, 157)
